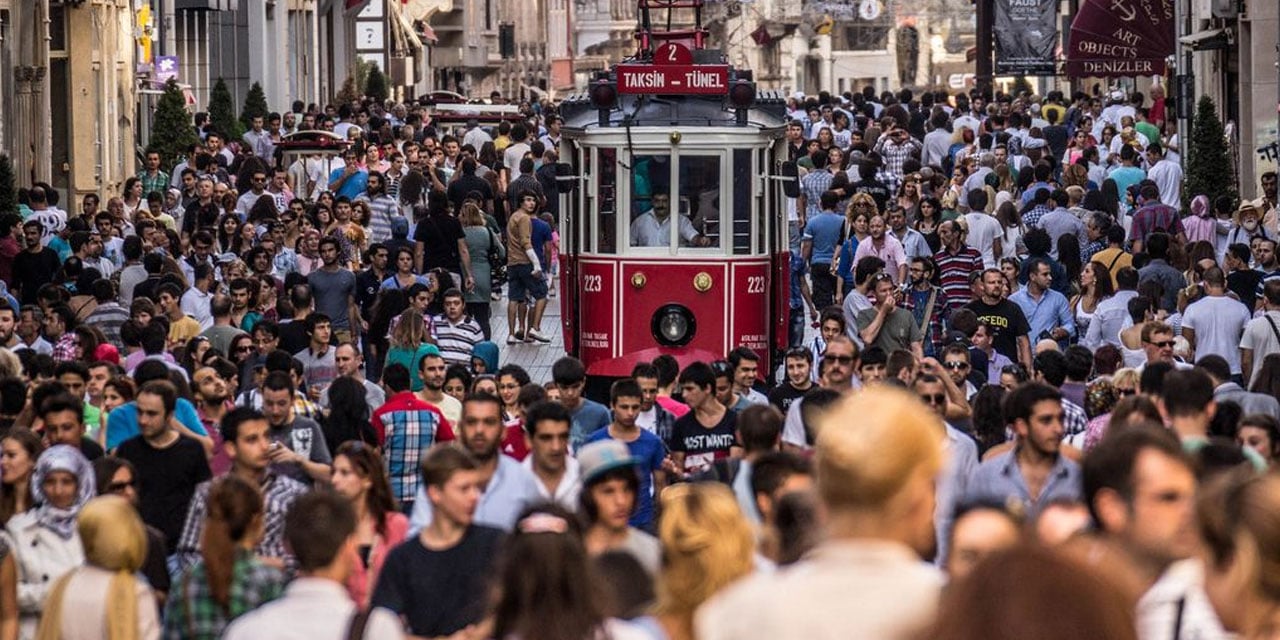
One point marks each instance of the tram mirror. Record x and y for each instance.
(566, 182)
(790, 180)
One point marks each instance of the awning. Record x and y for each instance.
(1118, 38)
(1208, 39)
(406, 38)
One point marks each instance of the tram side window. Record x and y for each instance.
(742, 202)
(700, 188)
(651, 202)
(607, 202)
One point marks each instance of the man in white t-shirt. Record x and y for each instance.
(985, 231)
(1215, 323)
(1262, 334)
(515, 151)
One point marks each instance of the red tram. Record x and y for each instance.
(673, 233)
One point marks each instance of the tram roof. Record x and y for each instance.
(768, 112)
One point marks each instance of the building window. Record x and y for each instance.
(861, 37)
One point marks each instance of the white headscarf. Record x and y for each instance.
(67, 458)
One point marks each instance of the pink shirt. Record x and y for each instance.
(678, 409)
(890, 251)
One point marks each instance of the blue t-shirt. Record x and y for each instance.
(588, 417)
(540, 236)
(650, 451)
(122, 422)
(354, 187)
(824, 230)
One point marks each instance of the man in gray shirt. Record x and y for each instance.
(333, 288)
(298, 448)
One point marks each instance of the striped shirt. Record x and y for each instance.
(953, 272)
(383, 209)
(406, 428)
(457, 340)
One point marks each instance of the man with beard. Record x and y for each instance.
(927, 303)
(1140, 487)
(546, 425)
(431, 369)
(8, 323)
(625, 398)
(1034, 473)
(507, 487)
(1011, 330)
(653, 416)
(298, 446)
(169, 465)
(349, 364)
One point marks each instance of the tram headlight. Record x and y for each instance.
(673, 325)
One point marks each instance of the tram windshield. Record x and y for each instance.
(675, 201)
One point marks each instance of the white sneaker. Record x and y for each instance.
(515, 338)
(537, 335)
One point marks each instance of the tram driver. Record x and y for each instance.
(653, 227)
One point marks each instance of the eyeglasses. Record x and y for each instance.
(956, 365)
(934, 398)
(1163, 344)
(244, 348)
(838, 359)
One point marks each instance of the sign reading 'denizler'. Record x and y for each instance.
(672, 71)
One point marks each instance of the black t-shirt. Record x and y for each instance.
(784, 394)
(439, 236)
(167, 479)
(1007, 321)
(293, 336)
(1244, 283)
(91, 450)
(368, 283)
(439, 592)
(34, 270)
(466, 184)
(874, 188)
(702, 446)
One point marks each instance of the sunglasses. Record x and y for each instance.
(117, 487)
(934, 398)
(839, 359)
(956, 365)
(1163, 344)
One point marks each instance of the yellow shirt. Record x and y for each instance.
(183, 330)
(1114, 260)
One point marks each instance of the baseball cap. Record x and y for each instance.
(597, 458)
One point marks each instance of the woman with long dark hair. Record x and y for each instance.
(360, 476)
(1069, 256)
(228, 579)
(1095, 286)
(547, 585)
(349, 413)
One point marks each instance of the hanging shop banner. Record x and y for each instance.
(1026, 34)
(1120, 38)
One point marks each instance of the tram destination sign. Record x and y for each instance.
(700, 79)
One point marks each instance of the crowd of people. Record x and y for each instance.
(251, 399)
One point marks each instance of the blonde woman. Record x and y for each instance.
(104, 599)
(707, 545)
(1239, 521)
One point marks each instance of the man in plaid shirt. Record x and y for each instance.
(245, 435)
(406, 427)
(152, 178)
(894, 148)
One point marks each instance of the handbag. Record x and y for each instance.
(497, 266)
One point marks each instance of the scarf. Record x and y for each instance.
(61, 458)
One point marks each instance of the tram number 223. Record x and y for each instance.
(755, 284)
(593, 284)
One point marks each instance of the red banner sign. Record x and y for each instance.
(701, 79)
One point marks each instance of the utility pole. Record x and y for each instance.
(983, 72)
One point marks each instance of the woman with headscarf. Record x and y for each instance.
(1201, 224)
(104, 599)
(45, 542)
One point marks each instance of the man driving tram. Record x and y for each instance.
(652, 228)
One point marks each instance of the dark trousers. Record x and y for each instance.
(481, 311)
(824, 285)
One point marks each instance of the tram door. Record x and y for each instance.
(572, 209)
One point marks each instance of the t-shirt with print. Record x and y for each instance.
(702, 446)
(1008, 322)
(305, 438)
(650, 451)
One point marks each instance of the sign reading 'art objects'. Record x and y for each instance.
(1026, 32)
(1117, 38)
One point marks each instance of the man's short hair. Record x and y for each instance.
(317, 526)
(1052, 365)
(1019, 403)
(164, 390)
(230, 427)
(759, 426)
(624, 388)
(1186, 393)
(772, 470)
(1109, 465)
(278, 381)
(568, 371)
(700, 374)
(544, 411)
(441, 463)
(62, 401)
(396, 377)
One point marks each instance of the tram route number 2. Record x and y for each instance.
(755, 284)
(594, 284)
